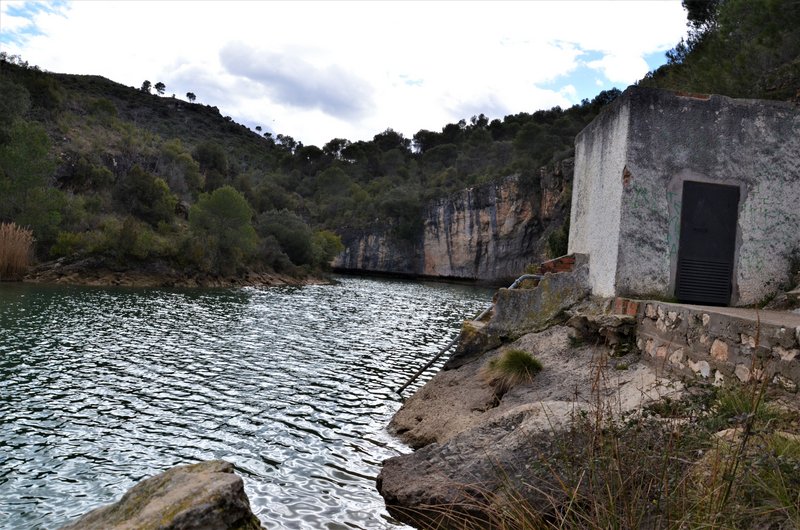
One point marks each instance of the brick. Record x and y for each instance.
(619, 306)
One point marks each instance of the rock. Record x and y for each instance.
(473, 342)
(521, 311)
(473, 456)
(617, 331)
(489, 232)
(204, 496)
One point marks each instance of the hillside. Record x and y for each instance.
(129, 178)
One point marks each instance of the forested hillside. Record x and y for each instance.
(127, 176)
(96, 168)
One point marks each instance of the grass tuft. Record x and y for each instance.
(512, 368)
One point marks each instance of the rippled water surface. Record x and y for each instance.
(100, 388)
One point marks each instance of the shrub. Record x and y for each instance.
(512, 368)
(222, 220)
(16, 244)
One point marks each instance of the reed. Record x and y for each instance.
(16, 247)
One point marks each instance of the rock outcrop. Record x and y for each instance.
(204, 496)
(489, 232)
(476, 441)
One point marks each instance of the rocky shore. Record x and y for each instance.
(600, 409)
(96, 273)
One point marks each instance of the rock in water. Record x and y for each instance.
(207, 496)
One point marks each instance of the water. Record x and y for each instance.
(100, 388)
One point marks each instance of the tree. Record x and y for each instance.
(146, 86)
(222, 221)
(191, 97)
(258, 128)
(145, 196)
(160, 87)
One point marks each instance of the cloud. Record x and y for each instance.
(319, 70)
(288, 78)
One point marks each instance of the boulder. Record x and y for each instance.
(207, 496)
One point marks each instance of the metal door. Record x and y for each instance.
(707, 243)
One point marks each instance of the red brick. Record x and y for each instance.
(632, 309)
(619, 306)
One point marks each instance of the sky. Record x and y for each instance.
(318, 71)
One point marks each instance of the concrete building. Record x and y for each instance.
(688, 196)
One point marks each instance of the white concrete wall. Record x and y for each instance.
(600, 157)
(752, 144)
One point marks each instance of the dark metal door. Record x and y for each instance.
(707, 243)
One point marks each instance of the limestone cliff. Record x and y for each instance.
(489, 232)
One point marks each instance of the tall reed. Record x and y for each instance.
(16, 247)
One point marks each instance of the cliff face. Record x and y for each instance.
(489, 232)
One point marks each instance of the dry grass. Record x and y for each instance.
(16, 245)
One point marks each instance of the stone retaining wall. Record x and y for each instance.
(703, 344)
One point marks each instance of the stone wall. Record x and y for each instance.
(490, 232)
(631, 163)
(710, 344)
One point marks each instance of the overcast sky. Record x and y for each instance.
(318, 71)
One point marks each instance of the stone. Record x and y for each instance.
(706, 319)
(719, 350)
(612, 329)
(200, 496)
(700, 367)
(784, 354)
(650, 311)
(719, 378)
(661, 352)
(748, 340)
(473, 341)
(676, 358)
(785, 383)
(742, 372)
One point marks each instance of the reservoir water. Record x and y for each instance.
(102, 387)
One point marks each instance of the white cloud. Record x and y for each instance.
(351, 69)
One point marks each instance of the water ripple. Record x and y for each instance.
(100, 388)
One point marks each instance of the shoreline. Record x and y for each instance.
(158, 275)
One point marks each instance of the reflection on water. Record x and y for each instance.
(100, 388)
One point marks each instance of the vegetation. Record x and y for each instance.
(719, 458)
(84, 160)
(740, 48)
(513, 367)
(16, 246)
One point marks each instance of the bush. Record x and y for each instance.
(16, 245)
(145, 196)
(291, 232)
(222, 220)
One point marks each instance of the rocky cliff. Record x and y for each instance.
(489, 232)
